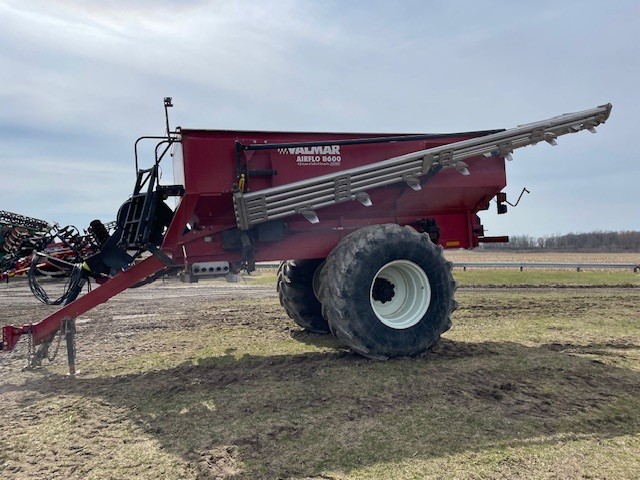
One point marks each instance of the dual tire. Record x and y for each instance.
(385, 291)
(296, 280)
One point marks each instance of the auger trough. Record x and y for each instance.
(360, 220)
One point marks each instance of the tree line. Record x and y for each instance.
(626, 241)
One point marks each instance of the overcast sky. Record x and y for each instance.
(81, 80)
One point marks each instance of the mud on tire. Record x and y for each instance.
(297, 297)
(387, 291)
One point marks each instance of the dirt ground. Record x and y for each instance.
(166, 305)
(111, 330)
(113, 420)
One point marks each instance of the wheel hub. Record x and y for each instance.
(383, 290)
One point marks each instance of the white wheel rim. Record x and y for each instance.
(401, 295)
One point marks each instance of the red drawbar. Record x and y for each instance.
(43, 329)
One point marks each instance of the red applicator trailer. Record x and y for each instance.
(365, 216)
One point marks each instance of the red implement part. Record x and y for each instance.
(253, 195)
(208, 170)
(211, 159)
(43, 329)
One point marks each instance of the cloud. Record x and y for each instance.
(82, 80)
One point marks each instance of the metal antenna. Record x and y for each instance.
(167, 104)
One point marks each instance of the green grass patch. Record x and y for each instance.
(506, 277)
(261, 277)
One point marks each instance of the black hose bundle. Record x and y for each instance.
(72, 287)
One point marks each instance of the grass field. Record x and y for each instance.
(538, 378)
(548, 278)
(479, 255)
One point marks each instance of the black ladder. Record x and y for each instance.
(138, 219)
